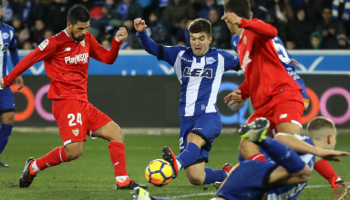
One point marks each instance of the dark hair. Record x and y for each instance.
(78, 13)
(240, 7)
(200, 25)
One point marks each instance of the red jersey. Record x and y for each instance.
(66, 63)
(264, 73)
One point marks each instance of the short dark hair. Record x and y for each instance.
(200, 25)
(78, 13)
(318, 126)
(240, 7)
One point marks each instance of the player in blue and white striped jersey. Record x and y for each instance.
(292, 160)
(7, 103)
(199, 70)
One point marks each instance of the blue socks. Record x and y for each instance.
(189, 155)
(213, 175)
(5, 132)
(282, 155)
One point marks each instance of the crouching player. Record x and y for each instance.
(199, 70)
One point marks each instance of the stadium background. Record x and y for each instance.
(137, 91)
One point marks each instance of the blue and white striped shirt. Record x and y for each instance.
(200, 77)
(7, 42)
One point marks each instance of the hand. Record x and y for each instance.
(19, 81)
(121, 34)
(231, 18)
(295, 62)
(2, 85)
(234, 98)
(331, 154)
(140, 25)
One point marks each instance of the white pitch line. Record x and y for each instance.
(213, 193)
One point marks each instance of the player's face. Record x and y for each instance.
(79, 30)
(200, 43)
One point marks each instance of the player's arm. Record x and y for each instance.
(15, 59)
(107, 56)
(296, 143)
(237, 97)
(267, 31)
(46, 49)
(169, 54)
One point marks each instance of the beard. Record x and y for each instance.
(78, 39)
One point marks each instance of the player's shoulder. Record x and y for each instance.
(177, 49)
(226, 54)
(7, 27)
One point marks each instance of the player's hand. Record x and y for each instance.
(2, 85)
(19, 81)
(332, 154)
(234, 98)
(231, 18)
(122, 34)
(295, 63)
(140, 25)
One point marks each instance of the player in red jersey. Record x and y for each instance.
(274, 94)
(66, 57)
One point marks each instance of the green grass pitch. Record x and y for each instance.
(92, 176)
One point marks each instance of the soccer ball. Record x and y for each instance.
(159, 172)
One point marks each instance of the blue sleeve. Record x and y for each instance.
(231, 61)
(13, 49)
(166, 53)
(234, 42)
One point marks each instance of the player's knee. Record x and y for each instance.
(196, 179)
(9, 120)
(72, 155)
(305, 174)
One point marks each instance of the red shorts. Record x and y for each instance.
(76, 119)
(288, 111)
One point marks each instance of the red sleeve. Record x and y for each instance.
(244, 90)
(259, 27)
(46, 49)
(101, 54)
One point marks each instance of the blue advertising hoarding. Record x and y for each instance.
(139, 62)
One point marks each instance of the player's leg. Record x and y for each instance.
(7, 108)
(278, 152)
(102, 126)
(71, 118)
(289, 121)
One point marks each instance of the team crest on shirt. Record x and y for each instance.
(245, 39)
(75, 132)
(209, 60)
(5, 36)
(82, 43)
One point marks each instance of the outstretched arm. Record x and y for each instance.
(147, 43)
(108, 56)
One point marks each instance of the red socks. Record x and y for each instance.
(326, 170)
(258, 156)
(117, 154)
(55, 157)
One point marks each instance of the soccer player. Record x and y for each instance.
(66, 58)
(7, 103)
(199, 70)
(274, 94)
(292, 155)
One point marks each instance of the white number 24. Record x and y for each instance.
(72, 121)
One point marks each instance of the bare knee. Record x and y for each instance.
(73, 152)
(196, 179)
(9, 119)
(304, 175)
(111, 132)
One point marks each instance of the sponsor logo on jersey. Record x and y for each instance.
(234, 43)
(82, 43)
(245, 39)
(75, 132)
(209, 60)
(83, 57)
(67, 49)
(246, 61)
(283, 116)
(5, 36)
(43, 44)
(184, 59)
(196, 72)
